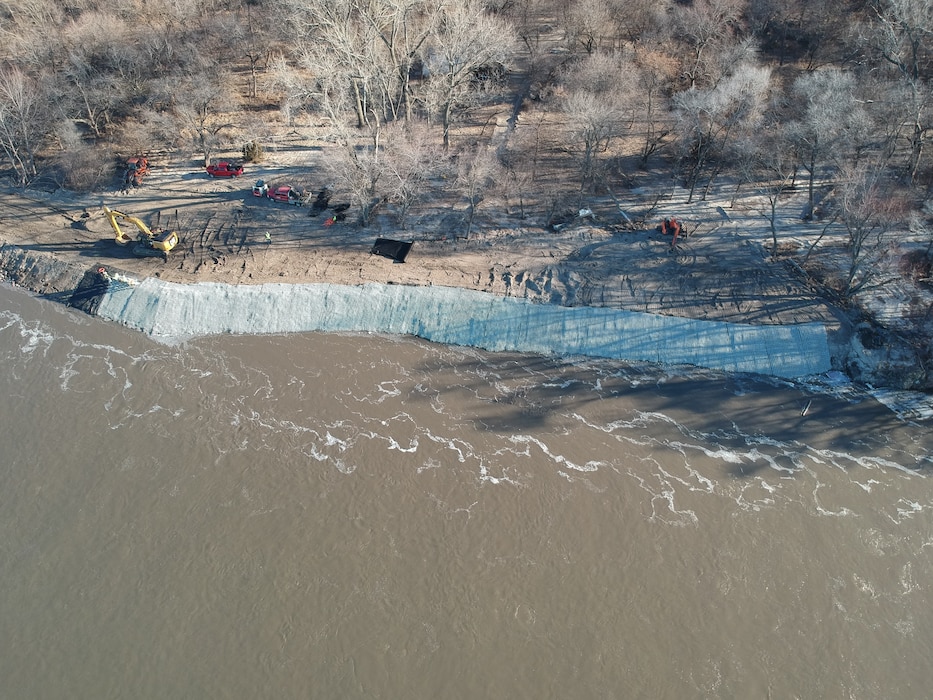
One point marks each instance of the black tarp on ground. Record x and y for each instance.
(388, 248)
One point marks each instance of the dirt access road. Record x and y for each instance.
(720, 271)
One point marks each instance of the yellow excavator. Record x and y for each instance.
(148, 243)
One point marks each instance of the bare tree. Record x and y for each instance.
(29, 33)
(829, 107)
(903, 36)
(395, 164)
(256, 45)
(766, 158)
(655, 73)
(903, 33)
(597, 106)
(640, 20)
(710, 120)
(336, 46)
(98, 55)
(478, 170)
(204, 108)
(25, 116)
(811, 33)
(95, 97)
(139, 134)
(231, 37)
(403, 27)
(586, 23)
(356, 165)
(370, 48)
(467, 40)
(869, 209)
(706, 25)
(520, 156)
(326, 90)
(411, 161)
(80, 165)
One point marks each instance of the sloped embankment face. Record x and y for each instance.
(53, 278)
(41, 273)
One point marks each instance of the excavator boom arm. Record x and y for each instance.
(121, 236)
(138, 224)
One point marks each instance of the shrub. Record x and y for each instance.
(252, 152)
(84, 168)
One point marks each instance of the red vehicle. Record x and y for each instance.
(225, 168)
(285, 193)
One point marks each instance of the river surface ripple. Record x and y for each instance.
(356, 516)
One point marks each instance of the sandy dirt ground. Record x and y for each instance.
(721, 270)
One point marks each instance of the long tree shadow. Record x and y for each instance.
(728, 414)
(103, 248)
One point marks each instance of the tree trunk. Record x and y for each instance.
(448, 113)
(811, 176)
(358, 103)
(916, 151)
(773, 200)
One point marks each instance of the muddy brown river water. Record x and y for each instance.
(355, 516)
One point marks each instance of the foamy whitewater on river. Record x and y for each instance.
(356, 515)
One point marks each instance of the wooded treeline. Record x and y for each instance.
(768, 92)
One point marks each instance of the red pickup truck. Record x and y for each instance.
(225, 168)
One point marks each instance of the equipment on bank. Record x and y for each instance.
(278, 193)
(137, 168)
(147, 243)
(388, 248)
(672, 227)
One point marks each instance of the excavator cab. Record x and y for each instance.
(162, 240)
(148, 243)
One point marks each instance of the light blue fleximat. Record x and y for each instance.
(465, 317)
